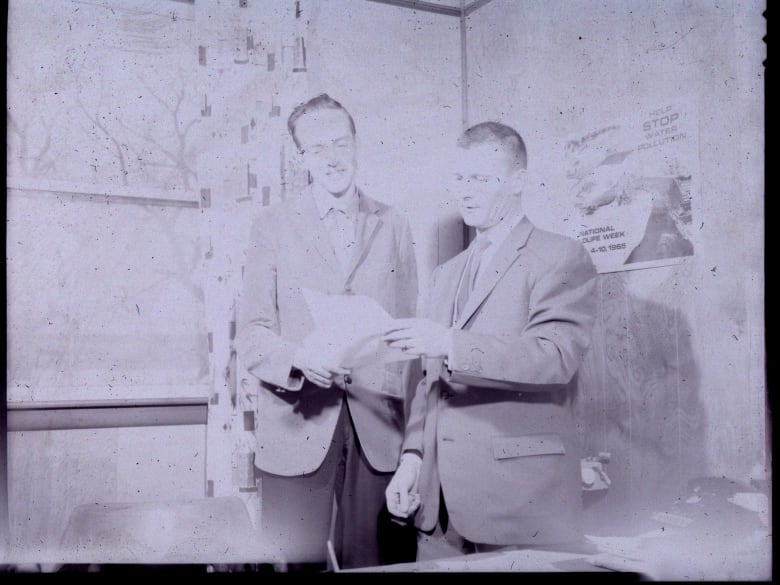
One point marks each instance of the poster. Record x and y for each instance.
(631, 183)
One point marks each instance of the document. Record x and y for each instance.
(349, 329)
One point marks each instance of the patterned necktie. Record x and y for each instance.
(469, 277)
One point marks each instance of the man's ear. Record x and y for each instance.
(299, 158)
(518, 179)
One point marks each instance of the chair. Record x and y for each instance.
(210, 530)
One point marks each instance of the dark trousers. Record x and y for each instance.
(444, 542)
(297, 513)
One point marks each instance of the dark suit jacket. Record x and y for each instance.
(495, 423)
(289, 250)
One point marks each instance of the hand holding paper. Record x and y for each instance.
(317, 368)
(419, 337)
(348, 330)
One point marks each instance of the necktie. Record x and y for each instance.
(469, 276)
(342, 232)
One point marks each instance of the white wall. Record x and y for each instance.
(555, 68)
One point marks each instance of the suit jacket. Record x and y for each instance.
(495, 424)
(290, 250)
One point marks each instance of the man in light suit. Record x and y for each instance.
(490, 446)
(322, 429)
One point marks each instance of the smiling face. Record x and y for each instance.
(328, 146)
(485, 184)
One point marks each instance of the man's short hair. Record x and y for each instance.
(499, 134)
(321, 102)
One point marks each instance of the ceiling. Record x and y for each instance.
(448, 7)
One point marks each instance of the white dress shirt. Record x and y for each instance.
(340, 216)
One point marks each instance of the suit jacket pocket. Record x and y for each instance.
(528, 445)
(394, 380)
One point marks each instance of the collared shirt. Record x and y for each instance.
(347, 203)
(340, 217)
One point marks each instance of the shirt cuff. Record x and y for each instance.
(411, 456)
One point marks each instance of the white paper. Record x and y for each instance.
(349, 329)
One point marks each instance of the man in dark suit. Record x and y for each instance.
(321, 428)
(490, 445)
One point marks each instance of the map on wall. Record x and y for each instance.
(631, 184)
(102, 97)
(104, 239)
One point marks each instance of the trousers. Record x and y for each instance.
(343, 500)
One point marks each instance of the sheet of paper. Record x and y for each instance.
(349, 328)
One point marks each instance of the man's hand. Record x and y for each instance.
(401, 494)
(317, 370)
(421, 337)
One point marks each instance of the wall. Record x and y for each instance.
(673, 386)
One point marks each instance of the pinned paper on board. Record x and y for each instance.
(349, 329)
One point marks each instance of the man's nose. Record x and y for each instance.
(332, 156)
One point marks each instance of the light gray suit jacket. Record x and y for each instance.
(495, 424)
(290, 250)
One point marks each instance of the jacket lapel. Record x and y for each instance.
(504, 258)
(369, 222)
(441, 305)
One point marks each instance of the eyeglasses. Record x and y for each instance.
(484, 179)
(340, 147)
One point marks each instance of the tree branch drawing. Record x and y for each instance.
(181, 154)
(42, 161)
(97, 118)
